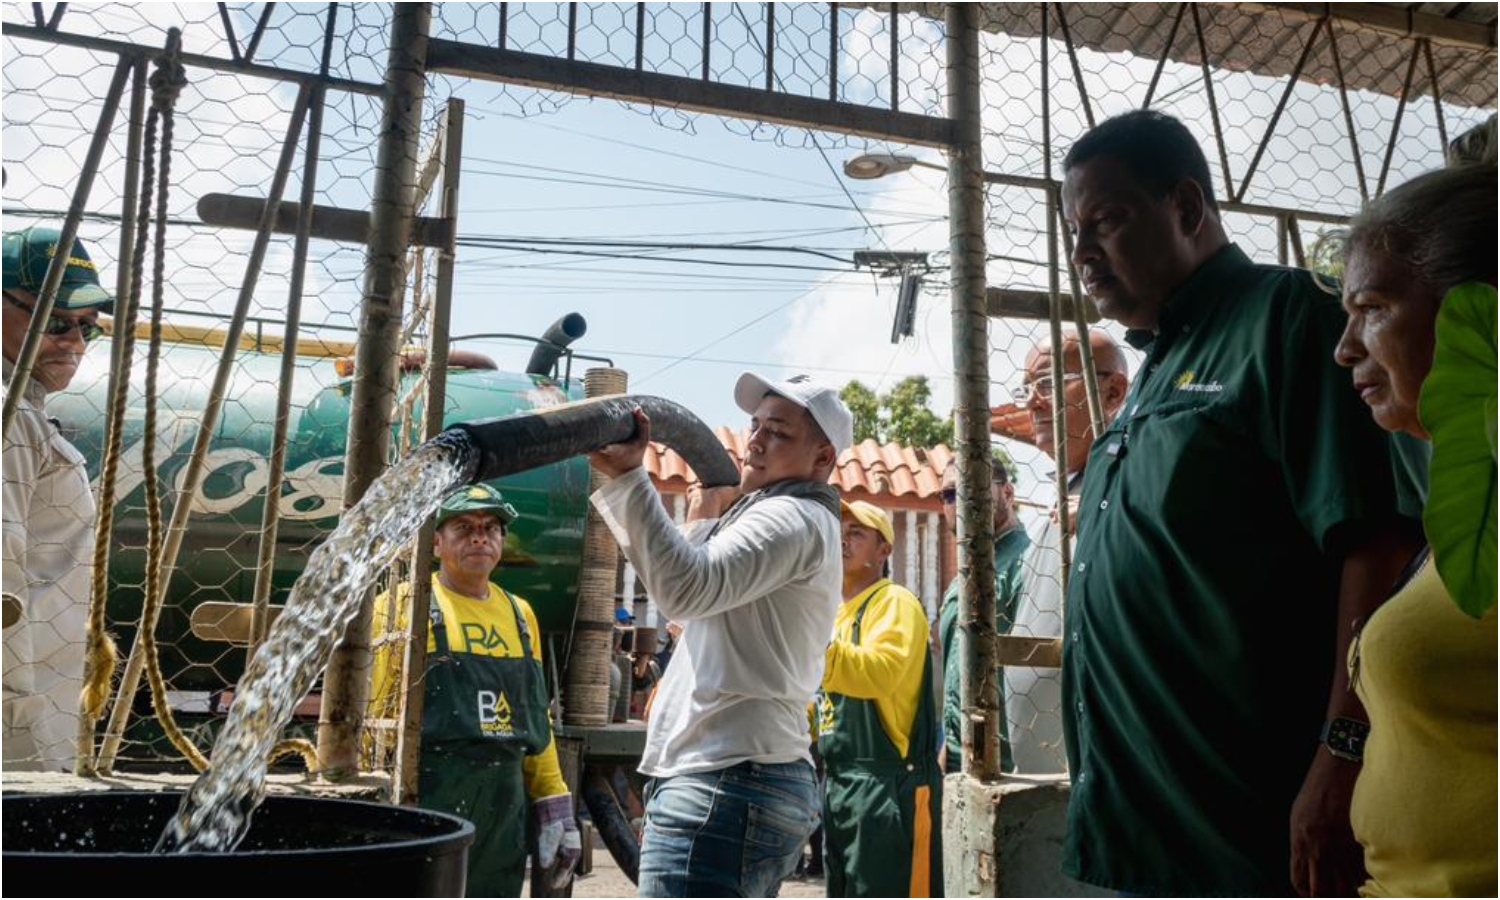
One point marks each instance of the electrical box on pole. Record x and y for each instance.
(910, 266)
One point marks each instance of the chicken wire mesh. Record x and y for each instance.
(1282, 155)
(1294, 155)
(243, 66)
(862, 55)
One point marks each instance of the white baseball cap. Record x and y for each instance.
(822, 402)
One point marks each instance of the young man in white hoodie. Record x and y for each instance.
(733, 795)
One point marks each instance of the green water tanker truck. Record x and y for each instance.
(218, 558)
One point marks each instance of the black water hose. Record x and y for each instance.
(540, 437)
(611, 822)
(554, 340)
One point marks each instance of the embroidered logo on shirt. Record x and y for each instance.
(494, 714)
(1188, 381)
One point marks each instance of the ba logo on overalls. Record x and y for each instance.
(825, 714)
(494, 714)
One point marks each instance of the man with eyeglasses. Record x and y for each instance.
(1033, 697)
(1011, 542)
(487, 748)
(48, 508)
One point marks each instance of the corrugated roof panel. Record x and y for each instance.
(1267, 38)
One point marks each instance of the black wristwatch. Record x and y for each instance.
(1345, 738)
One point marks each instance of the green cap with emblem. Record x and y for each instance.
(476, 498)
(28, 253)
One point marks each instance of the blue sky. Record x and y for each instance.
(684, 327)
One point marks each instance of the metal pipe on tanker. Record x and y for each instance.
(554, 341)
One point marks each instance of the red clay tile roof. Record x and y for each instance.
(868, 468)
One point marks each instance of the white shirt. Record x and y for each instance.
(1033, 697)
(756, 604)
(48, 561)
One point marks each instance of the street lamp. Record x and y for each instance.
(878, 165)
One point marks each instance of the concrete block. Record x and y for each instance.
(1005, 839)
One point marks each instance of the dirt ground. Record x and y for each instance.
(606, 880)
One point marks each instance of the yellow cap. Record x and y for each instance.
(871, 516)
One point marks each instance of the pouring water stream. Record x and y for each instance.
(215, 812)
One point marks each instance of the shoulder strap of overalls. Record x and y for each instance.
(821, 493)
(438, 626)
(859, 617)
(521, 627)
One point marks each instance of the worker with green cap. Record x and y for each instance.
(48, 505)
(879, 728)
(486, 736)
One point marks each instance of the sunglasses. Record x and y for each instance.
(57, 326)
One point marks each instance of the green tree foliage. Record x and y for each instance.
(902, 416)
(866, 409)
(909, 420)
(1325, 254)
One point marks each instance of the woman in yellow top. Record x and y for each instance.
(1424, 805)
(486, 736)
(879, 729)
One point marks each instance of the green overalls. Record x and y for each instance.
(882, 814)
(481, 714)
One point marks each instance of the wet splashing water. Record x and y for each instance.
(215, 813)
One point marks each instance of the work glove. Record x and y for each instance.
(558, 844)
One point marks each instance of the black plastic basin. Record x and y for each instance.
(99, 844)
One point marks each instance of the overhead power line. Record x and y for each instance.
(495, 241)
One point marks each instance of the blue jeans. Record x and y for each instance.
(735, 832)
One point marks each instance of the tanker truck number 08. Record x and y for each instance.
(311, 491)
(308, 492)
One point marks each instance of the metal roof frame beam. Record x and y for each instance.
(697, 95)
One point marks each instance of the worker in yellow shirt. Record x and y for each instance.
(486, 736)
(879, 728)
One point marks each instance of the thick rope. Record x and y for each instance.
(95, 683)
(101, 655)
(166, 83)
(296, 747)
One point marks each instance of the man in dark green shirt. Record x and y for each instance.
(1238, 517)
(1011, 543)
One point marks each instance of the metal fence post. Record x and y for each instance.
(971, 364)
(346, 683)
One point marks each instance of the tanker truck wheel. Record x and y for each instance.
(608, 811)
